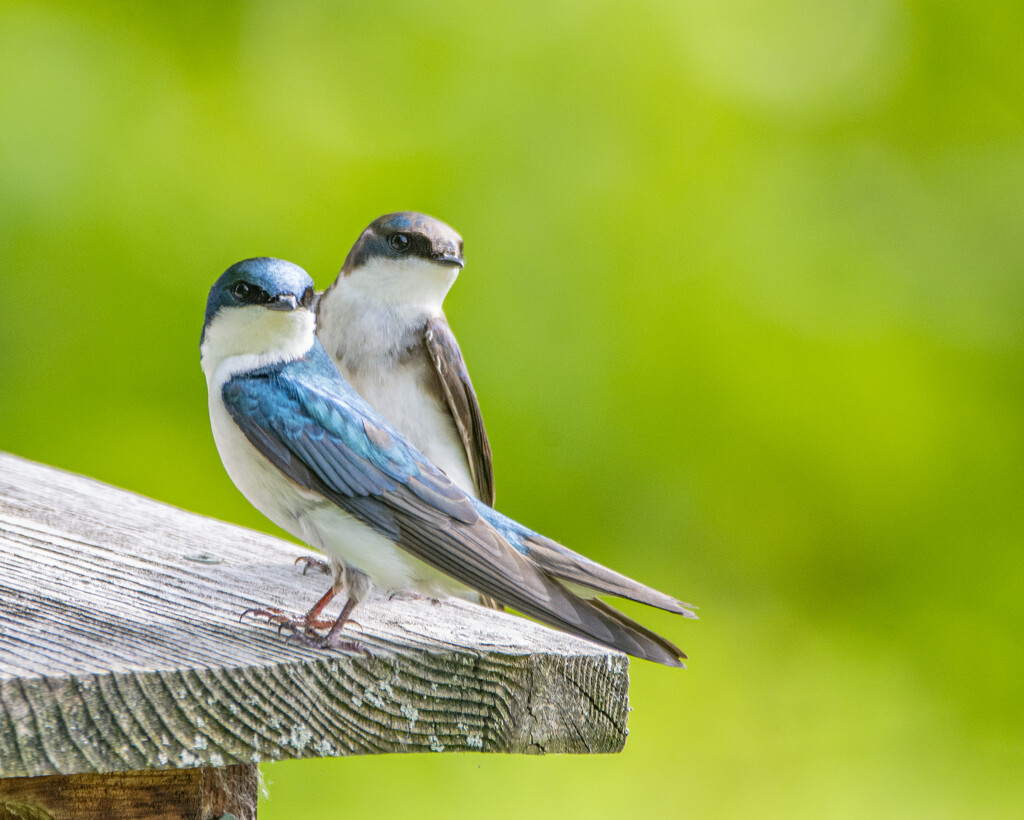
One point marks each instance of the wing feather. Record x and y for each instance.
(316, 433)
(458, 391)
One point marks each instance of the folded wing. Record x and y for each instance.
(462, 402)
(321, 435)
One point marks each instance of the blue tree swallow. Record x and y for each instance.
(308, 452)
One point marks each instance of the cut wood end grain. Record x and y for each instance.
(121, 650)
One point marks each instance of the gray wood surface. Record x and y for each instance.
(121, 650)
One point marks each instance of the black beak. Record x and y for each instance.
(449, 258)
(285, 301)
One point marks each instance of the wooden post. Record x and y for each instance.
(128, 687)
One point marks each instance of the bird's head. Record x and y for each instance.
(259, 309)
(404, 258)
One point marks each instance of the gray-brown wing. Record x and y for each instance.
(458, 392)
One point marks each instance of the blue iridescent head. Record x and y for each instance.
(271, 283)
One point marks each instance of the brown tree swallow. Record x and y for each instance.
(382, 323)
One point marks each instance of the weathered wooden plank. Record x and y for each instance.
(121, 650)
(170, 794)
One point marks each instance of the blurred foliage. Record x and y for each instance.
(743, 306)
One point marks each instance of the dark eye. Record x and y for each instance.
(246, 292)
(399, 242)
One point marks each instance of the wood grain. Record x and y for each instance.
(170, 794)
(121, 650)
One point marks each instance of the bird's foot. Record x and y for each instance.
(303, 628)
(309, 562)
(303, 624)
(334, 639)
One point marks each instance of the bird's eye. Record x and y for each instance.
(399, 242)
(253, 295)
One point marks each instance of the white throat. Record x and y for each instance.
(407, 282)
(365, 316)
(245, 338)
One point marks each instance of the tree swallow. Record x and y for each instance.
(382, 323)
(308, 452)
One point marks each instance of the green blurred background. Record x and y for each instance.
(743, 305)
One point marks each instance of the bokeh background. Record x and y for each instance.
(743, 304)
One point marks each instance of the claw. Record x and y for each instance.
(303, 628)
(271, 613)
(296, 623)
(316, 563)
